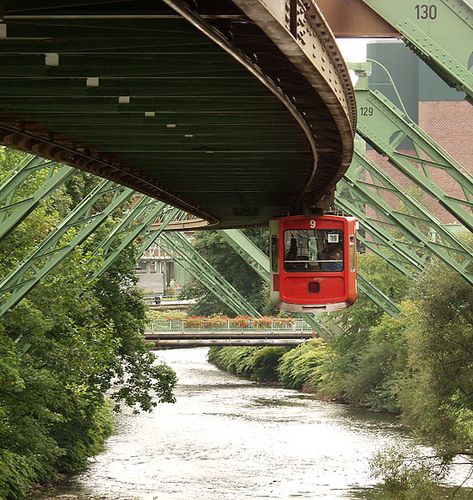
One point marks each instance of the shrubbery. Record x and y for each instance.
(254, 363)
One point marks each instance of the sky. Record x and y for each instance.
(353, 49)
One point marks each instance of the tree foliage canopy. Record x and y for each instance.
(70, 342)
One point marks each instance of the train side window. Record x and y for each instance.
(352, 253)
(275, 254)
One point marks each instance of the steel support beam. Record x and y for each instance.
(378, 297)
(440, 31)
(152, 232)
(383, 250)
(235, 342)
(248, 251)
(399, 211)
(59, 243)
(133, 224)
(407, 254)
(181, 249)
(33, 180)
(385, 127)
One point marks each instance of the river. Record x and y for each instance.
(227, 438)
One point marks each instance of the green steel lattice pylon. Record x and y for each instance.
(180, 248)
(386, 128)
(22, 192)
(367, 185)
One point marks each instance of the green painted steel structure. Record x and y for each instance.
(135, 225)
(21, 193)
(439, 31)
(354, 196)
(180, 248)
(395, 209)
(248, 251)
(387, 129)
(133, 108)
(204, 105)
(151, 233)
(60, 242)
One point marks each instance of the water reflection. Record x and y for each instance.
(227, 438)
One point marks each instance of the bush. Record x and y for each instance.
(406, 477)
(302, 366)
(254, 363)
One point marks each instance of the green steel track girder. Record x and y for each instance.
(181, 249)
(382, 194)
(17, 200)
(251, 253)
(133, 224)
(59, 243)
(385, 127)
(440, 31)
(119, 88)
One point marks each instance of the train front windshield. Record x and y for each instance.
(313, 250)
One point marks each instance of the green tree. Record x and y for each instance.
(438, 398)
(66, 345)
(356, 349)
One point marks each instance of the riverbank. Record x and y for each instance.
(301, 368)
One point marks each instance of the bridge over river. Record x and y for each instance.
(178, 334)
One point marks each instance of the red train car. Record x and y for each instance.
(313, 262)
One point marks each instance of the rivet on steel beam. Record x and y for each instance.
(124, 99)
(92, 81)
(51, 59)
(3, 30)
(150, 114)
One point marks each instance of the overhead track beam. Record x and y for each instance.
(440, 31)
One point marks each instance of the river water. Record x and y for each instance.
(226, 438)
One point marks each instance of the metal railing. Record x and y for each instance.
(253, 325)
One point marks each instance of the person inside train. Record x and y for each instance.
(332, 258)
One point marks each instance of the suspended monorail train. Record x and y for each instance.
(313, 262)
